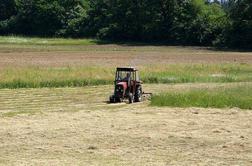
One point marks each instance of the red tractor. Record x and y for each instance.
(127, 86)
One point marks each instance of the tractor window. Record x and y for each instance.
(123, 75)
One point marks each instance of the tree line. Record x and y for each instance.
(179, 22)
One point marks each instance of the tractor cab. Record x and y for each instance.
(127, 85)
(127, 75)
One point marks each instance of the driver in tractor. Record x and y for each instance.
(127, 78)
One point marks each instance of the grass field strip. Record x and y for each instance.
(46, 100)
(37, 77)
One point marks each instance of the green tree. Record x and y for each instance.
(131, 19)
(190, 22)
(200, 23)
(239, 34)
(7, 13)
(7, 8)
(49, 17)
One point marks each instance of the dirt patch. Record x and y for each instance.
(113, 55)
(75, 125)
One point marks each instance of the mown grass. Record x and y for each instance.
(240, 96)
(45, 41)
(15, 113)
(37, 77)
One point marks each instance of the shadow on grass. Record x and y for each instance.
(38, 40)
(226, 49)
(158, 43)
(136, 43)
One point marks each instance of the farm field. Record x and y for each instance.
(48, 116)
(76, 125)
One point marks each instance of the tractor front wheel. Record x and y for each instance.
(131, 98)
(112, 99)
(118, 100)
(138, 95)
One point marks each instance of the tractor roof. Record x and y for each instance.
(126, 69)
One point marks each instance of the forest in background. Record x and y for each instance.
(176, 22)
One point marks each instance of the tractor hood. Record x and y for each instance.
(123, 84)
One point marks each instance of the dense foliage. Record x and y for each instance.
(240, 32)
(190, 22)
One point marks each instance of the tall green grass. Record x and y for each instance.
(37, 77)
(185, 73)
(240, 97)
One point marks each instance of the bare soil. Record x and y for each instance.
(75, 126)
(114, 55)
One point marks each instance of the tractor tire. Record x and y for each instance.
(112, 99)
(138, 94)
(118, 100)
